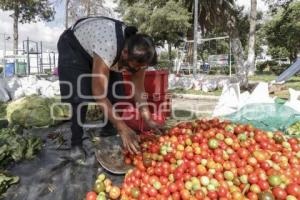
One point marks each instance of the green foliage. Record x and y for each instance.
(29, 10)
(15, 147)
(278, 52)
(2, 110)
(283, 31)
(165, 55)
(278, 69)
(162, 23)
(164, 64)
(264, 65)
(6, 181)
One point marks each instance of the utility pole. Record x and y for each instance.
(195, 37)
(5, 38)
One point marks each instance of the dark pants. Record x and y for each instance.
(73, 62)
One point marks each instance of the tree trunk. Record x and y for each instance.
(250, 66)
(16, 31)
(67, 14)
(170, 51)
(88, 8)
(238, 54)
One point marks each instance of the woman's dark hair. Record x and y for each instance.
(141, 49)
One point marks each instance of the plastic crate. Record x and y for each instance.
(156, 82)
(132, 118)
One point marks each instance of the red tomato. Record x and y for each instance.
(253, 178)
(222, 191)
(172, 187)
(185, 194)
(152, 192)
(252, 196)
(243, 153)
(279, 193)
(164, 191)
(176, 196)
(264, 185)
(199, 194)
(293, 189)
(212, 195)
(179, 185)
(91, 196)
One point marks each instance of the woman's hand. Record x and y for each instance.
(154, 126)
(130, 140)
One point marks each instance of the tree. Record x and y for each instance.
(165, 23)
(25, 12)
(67, 3)
(85, 8)
(250, 65)
(283, 30)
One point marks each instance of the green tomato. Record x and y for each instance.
(204, 180)
(228, 175)
(101, 177)
(101, 197)
(290, 197)
(242, 137)
(204, 162)
(214, 182)
(211, 187)
(270, 134)
(229, 128)
(196, 187)
(213, 143)
(212, 171)
(99, 187)
(171, 178)
(244, 179)
(274, 180)
(188, 185)
(230, 151)
(157, 185)
(220, 136)
(195, 180)
(255, 188)
(135, 192)
(228, 141)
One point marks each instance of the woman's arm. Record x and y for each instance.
(138, 81)
(99, 87)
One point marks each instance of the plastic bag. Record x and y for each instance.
(266, 116)
(260, 95)
(13, 87)
(209, 85)
(4, 97)
(293, 102)
(229, 100)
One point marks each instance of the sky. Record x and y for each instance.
(50, 32)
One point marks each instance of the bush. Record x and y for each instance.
(264, 65)
(278, 69)
(226, 70)
(164, 64)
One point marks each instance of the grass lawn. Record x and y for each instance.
(3, 110)
(294, 82)
(197, 92)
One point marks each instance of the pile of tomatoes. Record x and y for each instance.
(212, 159)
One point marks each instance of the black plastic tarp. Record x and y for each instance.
(52, 176)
